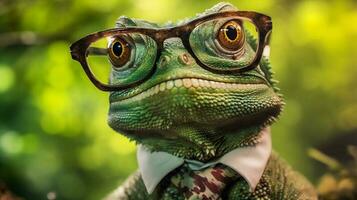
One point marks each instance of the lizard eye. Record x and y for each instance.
(223, 43)
(231, 35)
(119, 52)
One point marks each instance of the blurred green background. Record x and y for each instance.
(53, 131)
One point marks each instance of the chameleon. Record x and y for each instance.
(199, 116)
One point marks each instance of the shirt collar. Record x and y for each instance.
(249, 162)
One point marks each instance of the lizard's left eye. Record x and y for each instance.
(223, 43)
(119, 52)
(231, 35)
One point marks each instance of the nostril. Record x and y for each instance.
(163, 61)
(185, 59)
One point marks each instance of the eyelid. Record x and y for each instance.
(227, 51)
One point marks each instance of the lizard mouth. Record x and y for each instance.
(191, 83)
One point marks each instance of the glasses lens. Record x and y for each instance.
(121, 59)
(225, 43)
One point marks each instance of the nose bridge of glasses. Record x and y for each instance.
(164, 34)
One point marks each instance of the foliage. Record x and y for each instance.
(341, 180)
(53, 133)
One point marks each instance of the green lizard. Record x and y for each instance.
(190, 113)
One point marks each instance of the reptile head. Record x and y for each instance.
(185, 109)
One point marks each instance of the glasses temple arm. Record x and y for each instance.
(96, 51)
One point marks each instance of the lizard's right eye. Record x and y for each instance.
(119, 52)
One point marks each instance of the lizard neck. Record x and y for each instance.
(199, 142)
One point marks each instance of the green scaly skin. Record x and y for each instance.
(200, 120)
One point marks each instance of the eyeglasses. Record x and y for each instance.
(120, 58)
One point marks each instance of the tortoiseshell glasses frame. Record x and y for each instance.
(262, 23)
